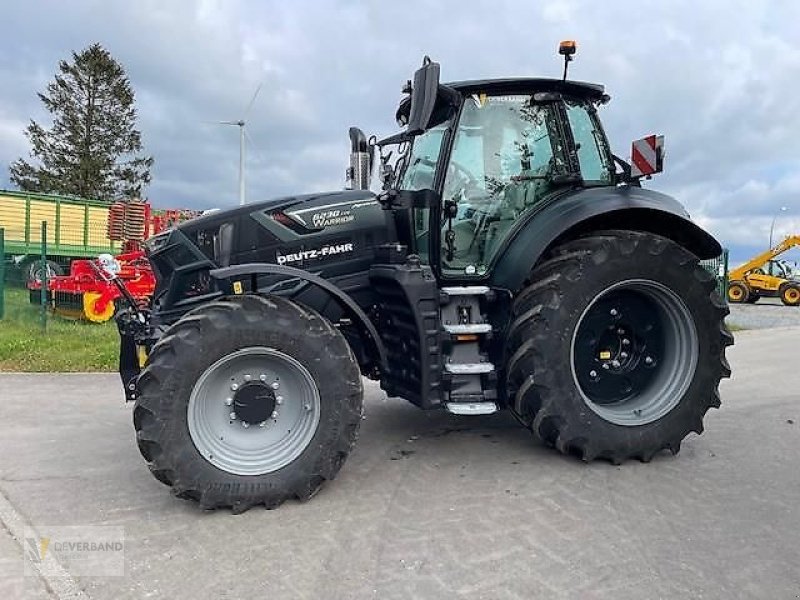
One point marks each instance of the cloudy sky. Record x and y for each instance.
(718, 78)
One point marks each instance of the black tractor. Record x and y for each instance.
(511, 261)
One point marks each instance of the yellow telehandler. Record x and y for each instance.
(765, 277)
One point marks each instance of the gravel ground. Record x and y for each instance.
(767, 313)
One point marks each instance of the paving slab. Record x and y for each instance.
(431, 505)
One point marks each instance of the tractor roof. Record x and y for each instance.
(592, 91)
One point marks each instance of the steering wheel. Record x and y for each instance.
(466, 178)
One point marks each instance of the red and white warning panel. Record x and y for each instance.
(647, 156)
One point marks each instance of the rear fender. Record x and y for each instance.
(597, 209)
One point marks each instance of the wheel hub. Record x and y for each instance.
(253, 411)
(634, 352)
(619, 347)
(254, 402)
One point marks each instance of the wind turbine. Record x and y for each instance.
(241, 123)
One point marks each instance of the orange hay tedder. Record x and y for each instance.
(87, 292)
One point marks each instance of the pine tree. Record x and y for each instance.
(93, 148)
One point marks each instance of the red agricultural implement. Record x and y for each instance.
(86, 292)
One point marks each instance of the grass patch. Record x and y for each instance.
(66, 346)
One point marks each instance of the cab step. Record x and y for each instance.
(467, 290)
(469, 368)
(471, 408)
(468, 328)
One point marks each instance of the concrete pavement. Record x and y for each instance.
(430, 505)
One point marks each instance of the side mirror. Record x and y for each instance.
(647, 156)
(423, 96)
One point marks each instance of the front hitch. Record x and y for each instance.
(135, 341)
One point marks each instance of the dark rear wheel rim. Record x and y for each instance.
(634, 352)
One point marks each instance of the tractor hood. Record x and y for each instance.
(303, 204)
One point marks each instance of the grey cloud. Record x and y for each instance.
(718, 78)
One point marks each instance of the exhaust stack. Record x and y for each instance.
(359, 173)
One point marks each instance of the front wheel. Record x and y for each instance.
(790, 294)
(617, 347)
(248, 401)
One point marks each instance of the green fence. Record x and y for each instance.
(2, 273)
(41, 298)
(719, 268)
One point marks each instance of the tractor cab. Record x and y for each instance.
(479, 157)
(506, 149)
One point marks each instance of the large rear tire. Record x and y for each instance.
(617, 347)
(248, 401)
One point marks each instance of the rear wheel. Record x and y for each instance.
(790, 294)
(248, 401)
(36, 270)
(738, 292)
(617, 348)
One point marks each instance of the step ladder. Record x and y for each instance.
(470, 379)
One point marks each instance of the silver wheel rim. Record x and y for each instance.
(674, 369)
(231, 442)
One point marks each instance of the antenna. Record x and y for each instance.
(241, 123)
(567, 48)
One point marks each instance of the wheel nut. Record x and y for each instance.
(623, 355)
(245, 424)
(592, 374)
(620, 331)
(648, 360)
(615, 364)
(275, 385)
(247, 377)
(262, 424)
(274, 414)
(228, 401)
(234, 386)
(232, 416)
(626, 342)
(606, 366)
(278, 399)
(614, 312)
(263, 377)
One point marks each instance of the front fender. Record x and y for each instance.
(229, 277)
(595, 209)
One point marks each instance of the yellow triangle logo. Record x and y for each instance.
(43, 544)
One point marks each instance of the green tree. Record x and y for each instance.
(93, 148)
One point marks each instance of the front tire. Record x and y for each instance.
(790, 294)
(617, 348)
(248, 401)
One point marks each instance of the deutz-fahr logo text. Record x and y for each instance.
(328, 250)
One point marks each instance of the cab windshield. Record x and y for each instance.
(508, 155)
